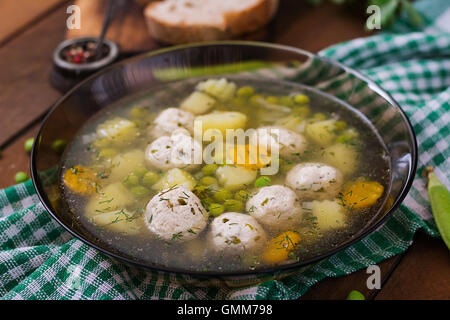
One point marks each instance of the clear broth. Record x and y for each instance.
(373, 164)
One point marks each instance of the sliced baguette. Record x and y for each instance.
(183, 21)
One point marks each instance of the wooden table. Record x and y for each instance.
(28, 35)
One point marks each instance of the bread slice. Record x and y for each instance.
(183, 21)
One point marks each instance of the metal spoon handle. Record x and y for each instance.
(111, 10)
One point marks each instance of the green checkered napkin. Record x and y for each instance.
(39, 260)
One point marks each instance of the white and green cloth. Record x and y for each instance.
(40, 260)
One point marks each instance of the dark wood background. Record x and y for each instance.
(30, 30)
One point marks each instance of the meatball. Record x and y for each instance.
(171, 119)
(176, 151)
(175, 214)
(291, 144)
(314, 181)
(275, 207)
(236, 233)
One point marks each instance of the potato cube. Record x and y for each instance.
(198, 103)
(322, 132)
(118, 130)
(329, 214)
(111, 198)
(120, 221)
(220, 121)
(235, 178)
(123, 164)
(342, 156)
(175, 177)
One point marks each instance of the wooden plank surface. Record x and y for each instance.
(14, 158)
(25, 63)
(16, 15)
(314, 28)
(424, 273)
(26, 95)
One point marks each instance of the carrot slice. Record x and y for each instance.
(362, 194)
(80, 180)
(280, 247)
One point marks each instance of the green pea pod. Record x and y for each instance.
(440, 206)
(169, 74)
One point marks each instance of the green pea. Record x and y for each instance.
(107, 153)
(201, 191)
(245, 91)
(302, 111)
(208, 181)
(233, 205)
(241, 195)
(319, 116)
(301, 99)
(255, 99)
(138, 112)
(216, 209)
(355, 295)
(263, 181)
(140, 191)
(209, 169)
(340, 125)
(29, 144)
(59, 145)
(150, 178)
(239, 101)
(272, 99)
(198, 175)
(21, 177)
(131, 180)
(440, 205)
(343, 138)
(287, 101)
(206, 202)
(222, 194)
(352, 133)
(140, 172)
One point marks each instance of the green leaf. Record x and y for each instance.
(414, 17)
(387, 12)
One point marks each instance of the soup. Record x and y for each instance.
(226, 174)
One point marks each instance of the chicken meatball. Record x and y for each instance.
(314, 181)
(175, 214)
(275, 207)
(179, 150)
(290, 144)
(236, 233)
(171, 119)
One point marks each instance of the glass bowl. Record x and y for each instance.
(271, 62)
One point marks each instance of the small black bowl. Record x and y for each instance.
(65, 75)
